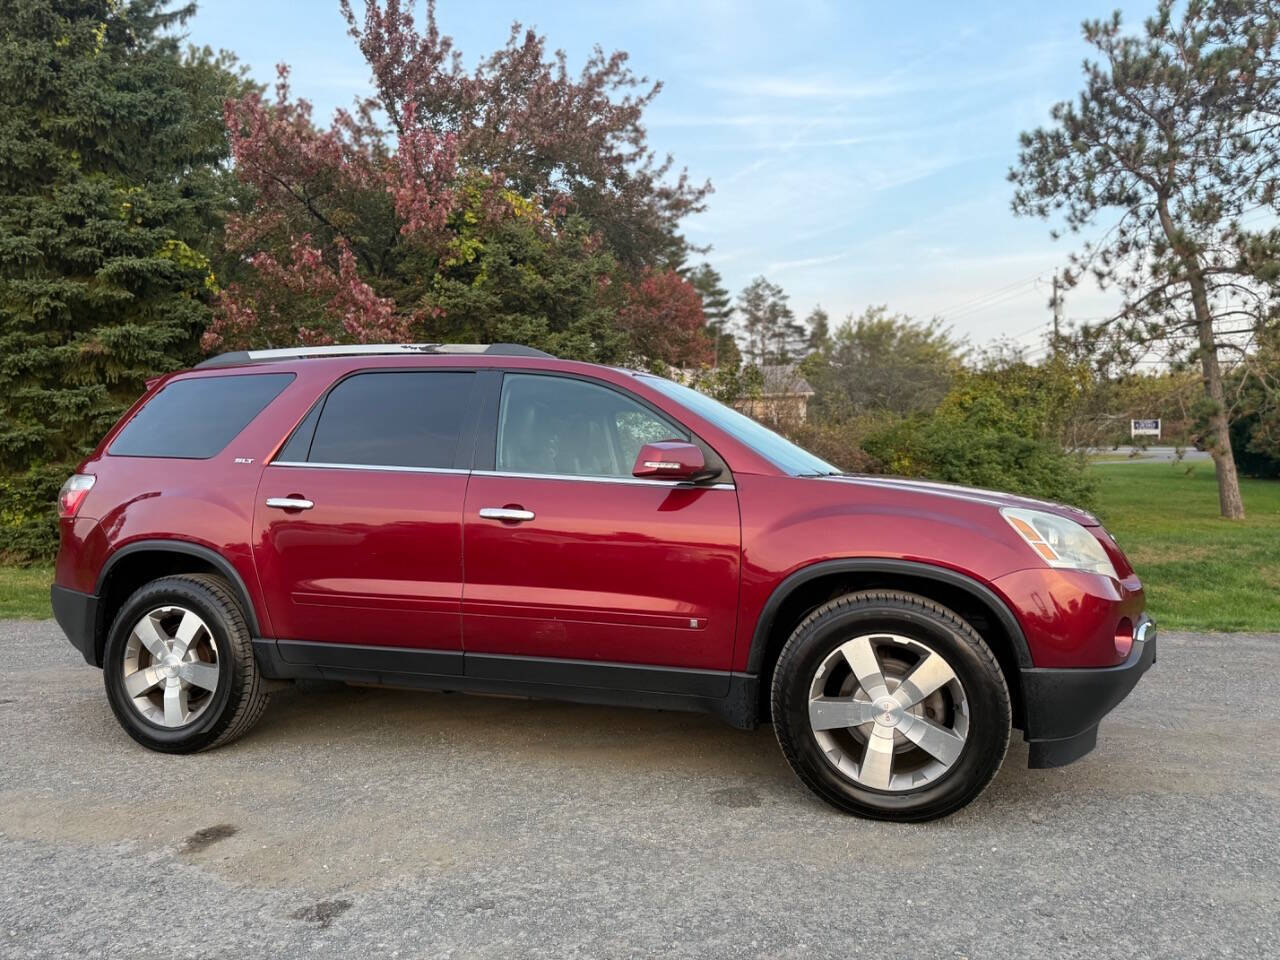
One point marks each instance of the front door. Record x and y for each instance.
(572, 560)
(358, 521)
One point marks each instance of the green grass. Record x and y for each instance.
(1201, 572)
(24, 592)
(1118, 458)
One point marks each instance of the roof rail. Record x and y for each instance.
(236, 357)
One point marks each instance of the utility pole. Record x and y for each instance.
(1056, 304)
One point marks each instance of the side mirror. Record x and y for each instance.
(671, 460)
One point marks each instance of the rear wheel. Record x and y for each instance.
(890, 706)
(179, 666)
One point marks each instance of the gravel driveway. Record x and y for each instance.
(396, 824)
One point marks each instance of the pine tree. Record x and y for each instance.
(111, 141)
(717, 308)
(1172, 144)
(772, 333)
(819, 323)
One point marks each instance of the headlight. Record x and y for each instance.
(1061, 542)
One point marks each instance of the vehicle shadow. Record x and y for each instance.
(555, 739)
(520, 729)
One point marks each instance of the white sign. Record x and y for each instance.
(1144, 428)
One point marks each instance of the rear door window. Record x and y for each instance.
(195, 419)
(392, 419)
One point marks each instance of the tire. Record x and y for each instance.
(217, 652)
(823, 677)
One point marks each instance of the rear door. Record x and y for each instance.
(603, 566)
(358, 522)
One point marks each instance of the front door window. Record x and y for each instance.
(564, 427)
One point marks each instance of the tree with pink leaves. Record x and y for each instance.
(408, 212)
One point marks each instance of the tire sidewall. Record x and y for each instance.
(206, 728)
(989, 713)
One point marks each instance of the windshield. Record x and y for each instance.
(779, 451)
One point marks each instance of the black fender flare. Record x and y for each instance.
(922, 571)
(217, 560)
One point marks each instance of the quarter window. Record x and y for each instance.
(393, 419)
(195, 419)
(557, 425)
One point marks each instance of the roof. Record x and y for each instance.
(784, 380)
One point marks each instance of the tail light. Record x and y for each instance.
(73, 493)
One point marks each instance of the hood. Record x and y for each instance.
(994, 498)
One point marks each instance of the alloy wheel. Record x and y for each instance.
(888, 712)
(170, 667)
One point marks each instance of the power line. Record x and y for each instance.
(987, 305)
(1038, 328)
(986, 299)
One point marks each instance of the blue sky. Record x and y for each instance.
(858, 150)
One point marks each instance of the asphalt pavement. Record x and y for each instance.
(359, 822)
(1155, 454)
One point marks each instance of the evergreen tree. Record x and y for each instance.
(772, 333)
(111, 140)
(1173, 141)
(717, 308)
(819, 324)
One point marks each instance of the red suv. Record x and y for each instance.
(492, 519)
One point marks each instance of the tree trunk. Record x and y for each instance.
(1229, 501)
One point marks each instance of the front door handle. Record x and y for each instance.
(290, 503)
(506, 513)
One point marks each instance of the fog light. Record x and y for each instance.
(1124, 637)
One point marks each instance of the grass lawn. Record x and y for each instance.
(24, 592)
(1201, 572)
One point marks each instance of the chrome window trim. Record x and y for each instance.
(384, 468)
(633, 481)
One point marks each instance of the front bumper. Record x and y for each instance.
(1065, 704)
(77, 615)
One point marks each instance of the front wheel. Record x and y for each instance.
(890, 706)
(179, 666)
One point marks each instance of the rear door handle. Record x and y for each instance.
(506, 513)
(290, 503)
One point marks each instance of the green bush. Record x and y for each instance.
(960, 451)
(1002, 426)
(841, 443)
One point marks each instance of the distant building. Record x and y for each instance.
(784, 396)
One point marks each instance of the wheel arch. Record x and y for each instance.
(811, 586)
(142, 561)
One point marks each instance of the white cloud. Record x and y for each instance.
(806, 88)
(782, 266)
